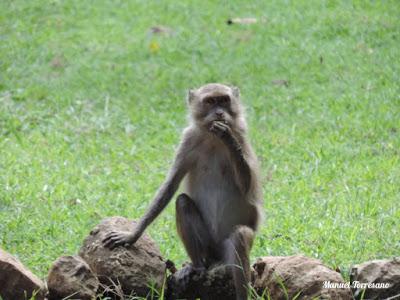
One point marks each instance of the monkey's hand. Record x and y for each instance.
(224, 132)
(221, 129)
(115, 239)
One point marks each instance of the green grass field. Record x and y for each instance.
(92, 105)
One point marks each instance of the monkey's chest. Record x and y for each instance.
(213, 177)
(214, 190)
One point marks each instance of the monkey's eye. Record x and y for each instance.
(225, 99)
(209, 101)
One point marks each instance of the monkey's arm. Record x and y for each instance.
(162, 198)
(243, 170)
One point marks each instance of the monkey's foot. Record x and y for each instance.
(214, 282)
(189, 273)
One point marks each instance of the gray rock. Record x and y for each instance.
(377, 271)
(71, 276)
(16, 281)
(296, 277)
(132, 268)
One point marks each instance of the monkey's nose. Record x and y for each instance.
(219, 114)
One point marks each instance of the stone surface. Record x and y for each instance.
(302, 277)
(71, 276)
(134, 268)
(377, 271)
(16, 281)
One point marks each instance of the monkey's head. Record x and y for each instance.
(216, 102)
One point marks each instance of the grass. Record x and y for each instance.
(92, 106)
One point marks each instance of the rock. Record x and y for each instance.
(71, 276)
(134, 268)
(301, 277)
(16, 281)
(377, 272)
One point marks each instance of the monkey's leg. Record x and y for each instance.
(194, 233)
(237, 250)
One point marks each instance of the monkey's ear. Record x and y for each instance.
(190, 96)
(235, 92)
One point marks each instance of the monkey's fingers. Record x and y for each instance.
(222, 122)
(219, 129)
(112, 239)
(114, 242)
(224, 125)
(109, 236)
(109, 243)
(216, 127)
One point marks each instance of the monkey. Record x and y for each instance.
(220, 210)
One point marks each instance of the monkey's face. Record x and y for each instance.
(214, 102)
(216, 108)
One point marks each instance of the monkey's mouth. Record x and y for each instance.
(208, 123)
(221, 120)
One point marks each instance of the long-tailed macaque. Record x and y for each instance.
(220, 209)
